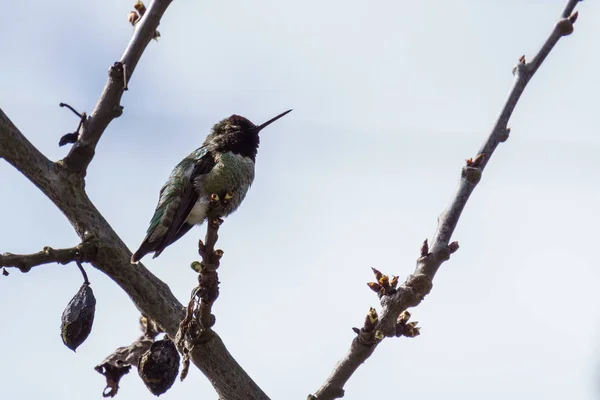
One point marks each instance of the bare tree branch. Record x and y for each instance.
(83, 252)
(150, 295)
(22, 155)
(63, 184)
(419, 283)
(108, 106)
(67, 191)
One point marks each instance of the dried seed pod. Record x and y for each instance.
(158, 367)
(78, 317)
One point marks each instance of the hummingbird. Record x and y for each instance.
(211, 182)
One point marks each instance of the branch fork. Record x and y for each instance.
(63, 183)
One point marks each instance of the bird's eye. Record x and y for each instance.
(234, 127)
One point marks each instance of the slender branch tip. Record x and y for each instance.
(72, 109)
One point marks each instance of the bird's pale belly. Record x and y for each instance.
(229, 180)
(198, 213)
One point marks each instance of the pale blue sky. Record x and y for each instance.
(389, 98)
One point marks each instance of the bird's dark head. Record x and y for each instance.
(238, 135)
(233, 126)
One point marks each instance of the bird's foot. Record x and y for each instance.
(216, 222)
(228, 196)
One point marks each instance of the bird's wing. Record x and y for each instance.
(176, 200)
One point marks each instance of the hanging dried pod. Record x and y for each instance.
(158, 367)
(78, 317)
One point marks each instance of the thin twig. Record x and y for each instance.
(182, 334)
(84, 252)
(411, 293)
(569, 7)
(108, 106)
(86, 281)
(71, 108)
(208, 279)
(197, 325)
(73, 136)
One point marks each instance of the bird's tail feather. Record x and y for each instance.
(158, 246)
(144, 249)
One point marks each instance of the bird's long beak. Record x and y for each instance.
(260, 127)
